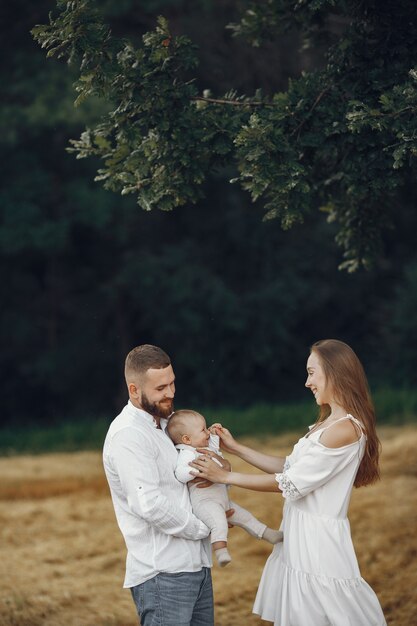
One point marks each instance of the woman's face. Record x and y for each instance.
(316, 380)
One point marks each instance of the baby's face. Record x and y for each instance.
(198, 433)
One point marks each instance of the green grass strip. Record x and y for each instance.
(394, 407)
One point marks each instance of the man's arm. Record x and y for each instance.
(137, 468)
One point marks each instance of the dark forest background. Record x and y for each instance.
(86, 274)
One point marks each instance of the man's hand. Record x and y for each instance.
(201, 483)
(229, 513)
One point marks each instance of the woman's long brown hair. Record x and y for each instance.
(345, 373)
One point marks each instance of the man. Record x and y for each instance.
(168, 557)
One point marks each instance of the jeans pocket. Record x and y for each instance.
(138, 595)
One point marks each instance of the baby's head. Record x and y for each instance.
(188, 427)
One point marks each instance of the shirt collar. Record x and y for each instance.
(147, 417)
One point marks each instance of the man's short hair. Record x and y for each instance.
(143, 358)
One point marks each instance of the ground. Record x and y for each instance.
(63, 556)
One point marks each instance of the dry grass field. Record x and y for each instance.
(62, 556)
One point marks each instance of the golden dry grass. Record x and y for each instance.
(62, 555)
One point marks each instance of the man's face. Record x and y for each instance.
(157, 391)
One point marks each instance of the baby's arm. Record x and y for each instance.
(182, 470)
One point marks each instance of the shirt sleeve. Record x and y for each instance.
(313, 469)
(136, 463)
(182, 471)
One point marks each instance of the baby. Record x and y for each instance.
(188, 431)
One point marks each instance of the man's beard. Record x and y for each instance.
(157, 409)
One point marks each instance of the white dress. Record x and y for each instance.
(313, 578)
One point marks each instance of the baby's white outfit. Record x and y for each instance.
(209, 504)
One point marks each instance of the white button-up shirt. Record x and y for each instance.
(152, 507)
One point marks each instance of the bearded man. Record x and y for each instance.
(168, 556)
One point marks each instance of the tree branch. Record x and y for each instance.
(317, 100)
(232, 102)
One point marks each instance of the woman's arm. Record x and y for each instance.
(208, 469)
(256, 482)
(264, 462)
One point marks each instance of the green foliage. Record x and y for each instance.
(235, 301)
(263, 20)
(158, 142)
(401, 331)
(344, 131)
(341, 139)
(64, 437)
(394, 407)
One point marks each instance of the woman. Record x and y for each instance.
(313, 578)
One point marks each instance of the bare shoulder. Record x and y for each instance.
(340, 434)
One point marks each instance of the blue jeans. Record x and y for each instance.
(183, 599)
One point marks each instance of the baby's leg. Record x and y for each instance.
(244, 519)
(213, 515)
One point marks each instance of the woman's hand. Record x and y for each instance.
(208, 469)
(227, 442)
(213, 427)
(220, 459)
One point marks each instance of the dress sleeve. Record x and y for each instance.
(313, 469)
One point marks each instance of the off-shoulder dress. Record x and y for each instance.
(313, 578)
